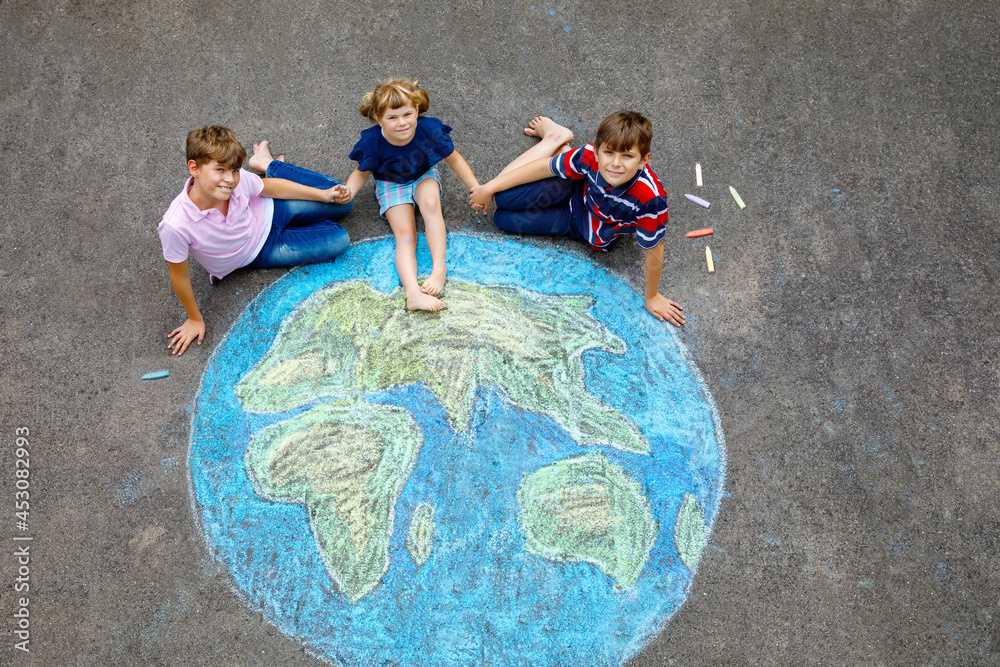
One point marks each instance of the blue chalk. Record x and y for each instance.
(156, 375)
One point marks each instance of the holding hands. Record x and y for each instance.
(340, 194)
(479, 198)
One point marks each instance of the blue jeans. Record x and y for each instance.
(302, 232)
(540, 207)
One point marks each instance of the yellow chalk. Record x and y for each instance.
(697, 174)
(736, 197)
(708, 258)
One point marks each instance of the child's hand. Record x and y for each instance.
(183, 335)
(663, 308)
(479, 198)
(340, 194)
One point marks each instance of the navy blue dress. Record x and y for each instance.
(402, 164)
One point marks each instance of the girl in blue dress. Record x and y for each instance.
(402, 152)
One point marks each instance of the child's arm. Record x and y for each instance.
(194, 327)
(527, 173)
(462, 170)
(280, 188)
(355, 182)
(658, 305)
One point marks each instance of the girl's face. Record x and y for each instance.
(399, 125)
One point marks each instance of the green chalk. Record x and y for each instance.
(736, 197)
(156, 375)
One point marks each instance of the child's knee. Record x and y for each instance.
(427, 196)
(340, 244)
(406, 237)
(430, 208)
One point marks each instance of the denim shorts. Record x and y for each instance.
(391, 194)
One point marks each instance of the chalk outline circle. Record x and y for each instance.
(711, 510)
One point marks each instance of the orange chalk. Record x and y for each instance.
(700, 232)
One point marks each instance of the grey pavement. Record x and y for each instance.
(847, 334)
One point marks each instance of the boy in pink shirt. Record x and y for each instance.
(228, 218)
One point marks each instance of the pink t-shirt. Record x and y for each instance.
(220, 243)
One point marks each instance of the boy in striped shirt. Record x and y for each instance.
(598, 193)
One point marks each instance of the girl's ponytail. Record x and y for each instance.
(368, 106)
(420, 98)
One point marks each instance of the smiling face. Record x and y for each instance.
(399, 125)
(619, 166)
(213, 184)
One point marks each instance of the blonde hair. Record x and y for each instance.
(393, 94)
(218, 143)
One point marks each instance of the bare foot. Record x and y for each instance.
(261, 157)
(420, 301)
(546, 128)
(434, 282)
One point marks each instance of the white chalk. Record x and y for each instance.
(737, 198)
(697, 200)
(697, 174)
(708, 258)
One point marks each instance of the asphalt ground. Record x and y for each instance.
(846, 335)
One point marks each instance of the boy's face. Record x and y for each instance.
(618, 167)
(213, 182)
(399, 125)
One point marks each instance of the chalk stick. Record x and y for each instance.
(697, 174)
(697, 200)
(736, 197)
(700, 232)
(708, 258)
(156, 375)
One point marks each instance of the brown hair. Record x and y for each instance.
(218, 143)
(393, 94)
(624, 130)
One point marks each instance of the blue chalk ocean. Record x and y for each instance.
(481, 598)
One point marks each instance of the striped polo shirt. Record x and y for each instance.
(638, 207)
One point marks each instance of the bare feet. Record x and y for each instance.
(262, 157)
(434, 282)
(420, 301)
(554, 137)
(546, 128)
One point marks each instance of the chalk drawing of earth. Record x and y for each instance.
(527, 477)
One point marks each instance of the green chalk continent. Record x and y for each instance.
(588, 508)
(420, 539)
(349, 339)
(689, 531)
(347, 464)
